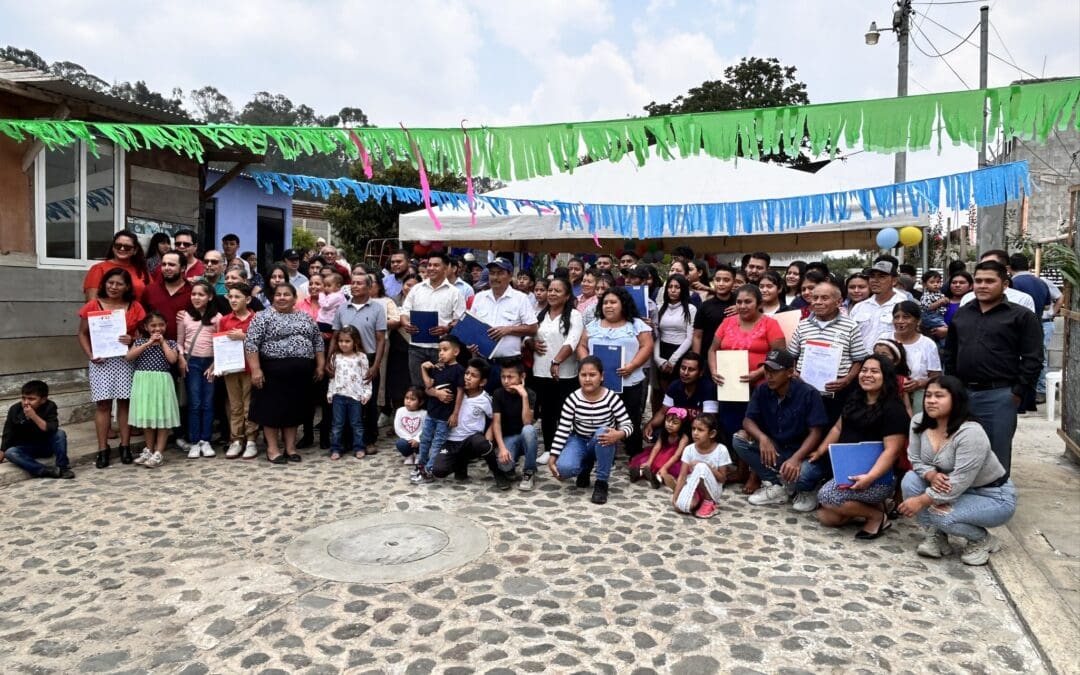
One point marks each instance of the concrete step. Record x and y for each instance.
(72, 399)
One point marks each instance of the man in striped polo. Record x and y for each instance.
(825, 324)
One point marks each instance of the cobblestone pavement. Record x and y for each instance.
(182, 570)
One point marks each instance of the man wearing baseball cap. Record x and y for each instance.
(874, 314)
(291, 258)
(785, 421)
(508, 312)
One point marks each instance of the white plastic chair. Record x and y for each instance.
(1053, 383)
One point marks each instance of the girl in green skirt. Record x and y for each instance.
(153, 393)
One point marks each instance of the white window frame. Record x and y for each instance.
(40, 214)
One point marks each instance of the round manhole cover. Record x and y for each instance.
(388, 547)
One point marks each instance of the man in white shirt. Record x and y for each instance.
(291, 257)
(433, 294)
(508, 312)
(874, 315)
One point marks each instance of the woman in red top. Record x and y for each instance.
(110, 378)
(125, 253)
(748, 329)
(310, 304)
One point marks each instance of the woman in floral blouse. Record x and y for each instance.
(285, 355)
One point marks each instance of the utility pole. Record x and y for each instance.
(902, 26)
(984, 37)
(991, 228)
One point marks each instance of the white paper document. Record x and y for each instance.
(732, 364)
(228, 355)
(821, 363)
(106, 328)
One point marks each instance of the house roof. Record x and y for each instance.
(36, 83)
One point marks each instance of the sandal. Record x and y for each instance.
(863, 535)
(359, 454)
(280, 459)
(335, 456)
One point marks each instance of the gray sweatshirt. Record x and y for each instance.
(965, 456)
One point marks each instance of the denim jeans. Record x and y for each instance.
(580, 453)
(1048, 337)
(346, 412)
(971, 513)
(524, 443)
(25, 456)
(432, 438)
(996, 412)
(404, 447)
(200, 395)
(811, 474)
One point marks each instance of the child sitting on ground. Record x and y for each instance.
(32, 431)
(408, 422)
(444, 385)
(331, 298)
(471, 437)
(704, 468)
(515, 434)
(661, 464)
(349, 390)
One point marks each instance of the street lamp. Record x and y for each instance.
(873, 34)
(901, 25)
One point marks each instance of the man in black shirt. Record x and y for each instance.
(714, 310)
(995, 348)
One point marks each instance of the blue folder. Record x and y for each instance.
(473, 331)
(856, 459)
(424, 321)
(639, 294)
(612, 358)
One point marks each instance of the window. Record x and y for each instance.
(77, 203)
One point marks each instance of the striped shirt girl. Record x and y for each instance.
(583, 417)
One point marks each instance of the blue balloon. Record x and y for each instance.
(888, 238)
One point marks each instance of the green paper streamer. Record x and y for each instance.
(912, 123)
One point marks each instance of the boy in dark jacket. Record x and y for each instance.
(32, 431)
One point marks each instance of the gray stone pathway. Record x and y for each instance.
(183, 570)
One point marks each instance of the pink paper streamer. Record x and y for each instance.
(365, 160)
(468, 176)
(588, 221)
(425, 187)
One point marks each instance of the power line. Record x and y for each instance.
(938, 54)
(959, 44)
(949, 30)
(951, 2)
(1004, 46)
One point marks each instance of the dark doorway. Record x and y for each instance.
(271, 236)
(208, 235)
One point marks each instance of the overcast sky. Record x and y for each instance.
(434, 63)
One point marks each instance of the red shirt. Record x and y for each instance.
(343, 271)
(157, 298)
(730, 335)
(132, 317)
(139, 278)
(195, 270)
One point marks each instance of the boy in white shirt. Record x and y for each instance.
(472, 438)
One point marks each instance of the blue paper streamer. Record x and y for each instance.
(984, 187)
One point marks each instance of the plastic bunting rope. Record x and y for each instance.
(1027, 111)
(983, 187)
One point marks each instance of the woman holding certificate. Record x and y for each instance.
(873, 413)
(751, 331)
(107, 325)
(620, 327)
(285, 353)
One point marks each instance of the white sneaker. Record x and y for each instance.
(234, 450)
(805, 502)
(769, 493)
(194, 451)
(934, 545)
(141, 459)
(154, 461)
(182, 444)
(410, 460)
(978, 552)
(543, 458)
(250, 451)
(206, 449)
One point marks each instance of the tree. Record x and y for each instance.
(139, 92)
(24, 57)
(302, 239)
(76, 74)
(356, 222)
(751, 83)
(211, 106)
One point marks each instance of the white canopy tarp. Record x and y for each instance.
(693, 180)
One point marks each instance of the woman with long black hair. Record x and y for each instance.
(674, 328)
(555, 363)
(126, 253)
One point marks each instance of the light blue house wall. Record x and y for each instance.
(236, 209)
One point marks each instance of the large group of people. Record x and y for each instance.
(934, 369)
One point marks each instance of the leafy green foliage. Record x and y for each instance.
(303, 239)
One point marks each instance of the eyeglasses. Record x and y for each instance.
(211, 261)
(123, 247)
(183, 244)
